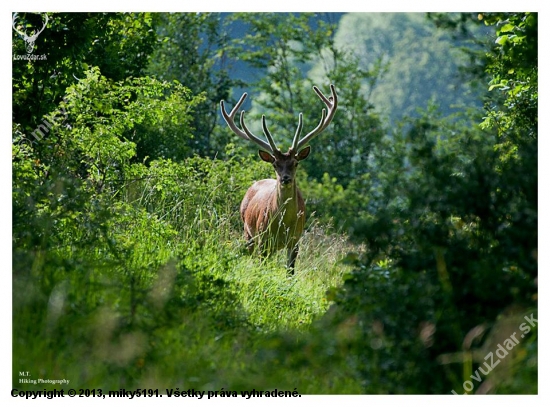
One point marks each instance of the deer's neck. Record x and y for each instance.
(287, 200)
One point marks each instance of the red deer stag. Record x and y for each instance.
(273, 211)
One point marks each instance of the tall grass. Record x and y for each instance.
(167, 296)
(150, 286)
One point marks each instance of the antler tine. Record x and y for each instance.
(36, 34)
(269, 137)
(252, 137)
(230, 120)
(45, 24)
(15, 17)
(314, 132)
(297, 134)
(331, 104)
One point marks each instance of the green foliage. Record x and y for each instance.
(515, 77)
(129, 269)
(331, 203)
(119, 44)
(394, 318)
(290, 51)
(126, 49)
(277, 43)
(190, 50)
(455, 209)
(421, 63)
(135, 273)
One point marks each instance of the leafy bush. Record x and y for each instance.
(456, 237)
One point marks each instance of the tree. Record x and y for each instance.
(191, 51)
(452, 236)
(286, 47)
(421, 62)
(119, 44)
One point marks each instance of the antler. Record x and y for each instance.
(35, 35)
(245, 133)
(331, 103)
(29, 39)
(24, 35)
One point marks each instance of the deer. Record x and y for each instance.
(273, 210)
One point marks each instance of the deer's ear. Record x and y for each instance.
(303, 153)
(266, 156)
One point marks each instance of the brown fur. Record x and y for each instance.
(274, 211)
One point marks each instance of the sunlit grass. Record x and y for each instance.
(271, 297)
(169, 296)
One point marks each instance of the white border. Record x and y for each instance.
(296, 6)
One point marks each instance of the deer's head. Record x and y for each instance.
(285, 164)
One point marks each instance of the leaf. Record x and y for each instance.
(507, 28)
(503, 39)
